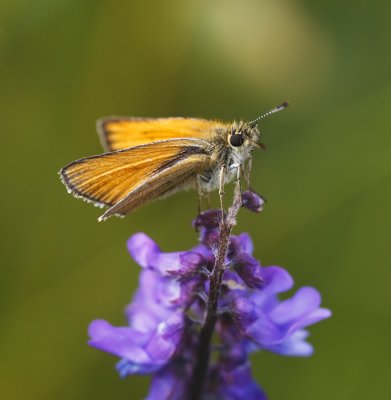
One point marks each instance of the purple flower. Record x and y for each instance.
(169, 309)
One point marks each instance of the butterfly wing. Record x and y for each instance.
(125, 179)
(118, 133)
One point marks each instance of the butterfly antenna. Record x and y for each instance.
(274, 110)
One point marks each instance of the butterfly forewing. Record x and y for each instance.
(146, 171)
(118, 133)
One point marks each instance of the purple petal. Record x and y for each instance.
(253, 201)
(143, 353)
(204, 250)
(163, 343)
(153, 301)
(254, 324)
(167, 263)
(126, 367)
(273, 327)
(209, 219)
(248, 269)
(192, 264)
(169, 383)
(142, 248)
(208, 223)
(304, 301)
(247, 243)
(301, 310)
(123, 342)
(148, 255)
(294, 345)
(276, 280)
(235, 383)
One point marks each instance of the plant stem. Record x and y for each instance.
(206, 333)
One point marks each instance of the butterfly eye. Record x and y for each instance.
(236, 139)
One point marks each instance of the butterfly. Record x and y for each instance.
(150, 158)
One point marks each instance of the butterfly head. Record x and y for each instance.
(243, 135)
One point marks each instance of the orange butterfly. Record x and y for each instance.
(147, 159)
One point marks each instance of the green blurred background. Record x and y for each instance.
(326, 175)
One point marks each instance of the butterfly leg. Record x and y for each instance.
(199, 191)
(246, 171)
(221, 187)
(201, 194)
(238, 182)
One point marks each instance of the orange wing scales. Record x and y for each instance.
(162, 184)
(118, 133)
(125, 179)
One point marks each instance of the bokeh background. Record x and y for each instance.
(326, 175)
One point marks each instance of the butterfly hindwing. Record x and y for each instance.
(140, 173)
(167, 181)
